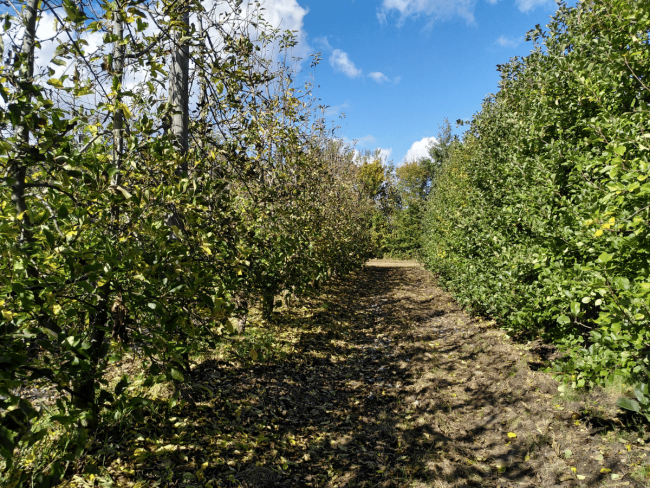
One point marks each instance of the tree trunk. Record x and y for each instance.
(18, 166)
(179, 91)
(179, 100)
(242, 308)
(268, 303)
(84, 386)
(119, 52)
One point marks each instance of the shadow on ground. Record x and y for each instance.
(388, 384)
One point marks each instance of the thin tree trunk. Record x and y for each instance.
(119, 52)
(18, 167)
(179, 91)
(179, 100)
(84, 386)
(179, 86)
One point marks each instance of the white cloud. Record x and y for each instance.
(504, 41)
(288, 15)
(359, 157)
(340, 61)
(385, 154)
(434, 9)
(526, 5)
(378, 77)
(419, 149)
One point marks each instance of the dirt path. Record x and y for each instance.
(386, 383)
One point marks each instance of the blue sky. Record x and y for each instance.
(397, 68)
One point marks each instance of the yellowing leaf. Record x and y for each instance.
(254, 354)
(581, 477)
(140, 453)
(598, 233)
(512, 435)
(56, 308)
(125, 110)
(55, 82)
(605, 470)
(229, 326)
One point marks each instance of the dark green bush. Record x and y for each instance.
(540, 217)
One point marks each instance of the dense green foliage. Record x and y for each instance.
(117, 238)
(399, 196)
(540, 216)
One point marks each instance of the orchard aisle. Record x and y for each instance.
(386, 383)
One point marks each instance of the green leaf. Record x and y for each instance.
(620, 150)
(563, 319)
(575, 308)
(605, 258)
(177, 375)
(621, 283)
(628, 404)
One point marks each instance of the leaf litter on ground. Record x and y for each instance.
(383, 381)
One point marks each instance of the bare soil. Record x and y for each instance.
(388, 383)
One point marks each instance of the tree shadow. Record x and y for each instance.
(371, 395)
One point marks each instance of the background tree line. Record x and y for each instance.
(400, 195)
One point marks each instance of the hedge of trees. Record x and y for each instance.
(155, 184)
(539, 217)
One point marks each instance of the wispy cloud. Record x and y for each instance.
(340, 61)
(336, 109)
(419, 149)
(526, 5)
(369, 139)
(433, 9)
(360, 141)
(379, 77)
(505, 41)
(323, 43)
